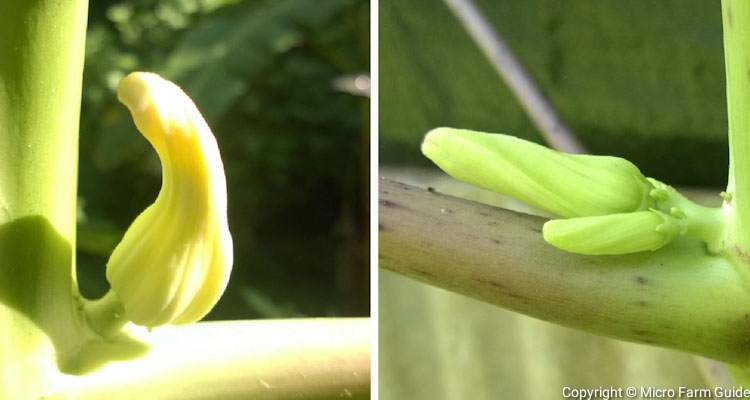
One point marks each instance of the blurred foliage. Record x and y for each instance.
(640, 79)
(294, 148)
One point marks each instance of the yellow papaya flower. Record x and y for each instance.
(174, 261)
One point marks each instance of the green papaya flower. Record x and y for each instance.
(565, 185)
(607, 205)
(174, 261)
(621, 233)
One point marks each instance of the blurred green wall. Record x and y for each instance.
(641, 79)
(262, 72)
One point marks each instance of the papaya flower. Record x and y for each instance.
(174, 261)
(605, 205)
(565, 185)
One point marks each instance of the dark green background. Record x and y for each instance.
(294, 148)
(641, 79)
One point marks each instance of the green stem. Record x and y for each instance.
(41, 67)
(678, 297)
(106, 315)
(41, 71)
(736, 21)
(272, 359)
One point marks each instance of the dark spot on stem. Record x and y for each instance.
(496, 241)
(741, 253)
(431, 189)
(483, 213)
(642, 303)
(382, 227)
(490, 282)
(641, 332)
(536, 229)
(424, 274)
(391, 204)
(522, 298)
(641, 280)
(383, 257)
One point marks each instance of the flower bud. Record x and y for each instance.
(565, 185)
(613, 234)
(174, 261)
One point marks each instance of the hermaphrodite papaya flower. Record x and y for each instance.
(607, 205)
(565, 185)
(174, 261)
(620, 233)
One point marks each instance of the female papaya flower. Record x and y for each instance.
(607, 205)
(174, 261)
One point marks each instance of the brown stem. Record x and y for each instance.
(678, 297)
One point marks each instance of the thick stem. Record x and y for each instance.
(679, 297)
(41, 66)
(106, 315)
(41, 71)
(736, 20)
(272, 359)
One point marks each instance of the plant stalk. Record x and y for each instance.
(41, 72)
(41, 68)
(271, 359)
(736, 22)
(679, 297)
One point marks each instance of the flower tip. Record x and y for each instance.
(134, 88)
(433, 139)
(158, 106)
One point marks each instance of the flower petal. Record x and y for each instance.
(174, 261)
(563, 184)
(622, 233)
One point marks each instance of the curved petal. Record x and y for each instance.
(174, 261)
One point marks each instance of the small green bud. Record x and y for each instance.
(174, 261)
(705, 223)
(565, 185)
(613, 234)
